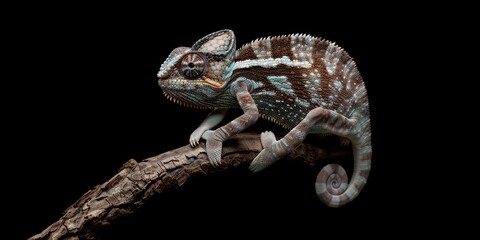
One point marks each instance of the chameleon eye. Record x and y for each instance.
(193, 65)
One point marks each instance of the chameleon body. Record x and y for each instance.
(306, 84)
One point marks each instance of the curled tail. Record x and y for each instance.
(332, 185)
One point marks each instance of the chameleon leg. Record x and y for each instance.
(327, 120)
(214, 118)
(249, 116)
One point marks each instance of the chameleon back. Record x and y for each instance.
(297, 73)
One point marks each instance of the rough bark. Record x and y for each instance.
(136, 182)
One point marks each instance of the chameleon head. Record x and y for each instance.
(204, 69)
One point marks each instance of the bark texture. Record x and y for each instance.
(136, 182)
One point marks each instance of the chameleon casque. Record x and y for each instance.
(306, 84)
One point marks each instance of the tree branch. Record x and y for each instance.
(136, 182)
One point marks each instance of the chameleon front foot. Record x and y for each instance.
(266, 157)
(214, 144)
(213, 147)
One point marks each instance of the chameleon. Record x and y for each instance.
(306, 84)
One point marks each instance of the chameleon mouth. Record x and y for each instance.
(183, 84)
(182, 103)
(213, 83)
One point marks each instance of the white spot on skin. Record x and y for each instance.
(331, 100)
(302, 102)
(347, 70)
(332, 56)
(265, 92)
(313, 87)
(277, 78)
(282, 84)
(262, 49)
(338, 84)
(301, 46)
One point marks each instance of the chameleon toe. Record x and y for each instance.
(267, 138)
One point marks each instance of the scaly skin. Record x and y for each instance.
(305, 84)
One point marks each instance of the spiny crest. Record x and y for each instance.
(182, 103)
(295, 35)
(269, 118)
(294, 47)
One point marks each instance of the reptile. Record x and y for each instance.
(306, 84)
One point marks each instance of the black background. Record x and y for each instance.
(87, 100)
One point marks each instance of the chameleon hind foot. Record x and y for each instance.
(266, 157)
(267, 138)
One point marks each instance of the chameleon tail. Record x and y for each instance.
(332, 185)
